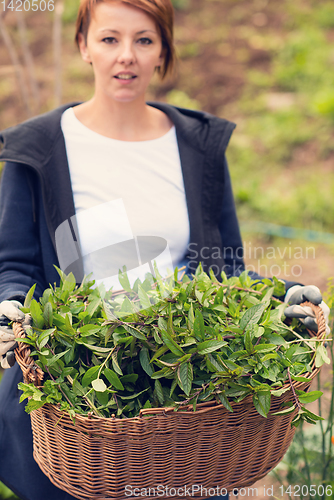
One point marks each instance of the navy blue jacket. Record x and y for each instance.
(36, 197)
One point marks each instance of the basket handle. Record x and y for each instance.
(31, 372)
(320, 319)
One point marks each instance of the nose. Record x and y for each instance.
(126, 53)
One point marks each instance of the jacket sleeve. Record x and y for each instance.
(230, 233)
(20, 255)
(232, 247)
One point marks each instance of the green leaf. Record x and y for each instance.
(134, 395)
(131, 377)
(273, 338)
(173, 386)
(291, 409)
(90, 375)
(144, 298)
(264, 347)
(159, 391)
(115, 364)
(279, 392)
(55, 358)
(95, 348)
(156, 336)
(299, 379)
(98, 385)
(321, 356)
(216, 363)
(36, 314)
(279, 290)
(253, 315)
(68, 324)
(113, 379)
(135, 332)
(69, 283)
(93, 305)
(162, 324)
(109, 313)
(48, 314)
(160, 352)
(171, 344)
(210, 346)
(308, 397)
(29, 296)
(162, 373)
(185, 375)
(145, 361)
(199, 325)
(61, 273)
(89, 329)
(44, 337)
(312, 416)
(261, 400)
(248, 342)
(224, 400)
(124, 280)
(191, 317)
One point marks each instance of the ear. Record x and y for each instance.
(83, 48)
(162, 56)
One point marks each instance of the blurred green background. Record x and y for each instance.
(267, 65)
(264, 64)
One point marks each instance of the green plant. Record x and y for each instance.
(167, 344)
(310, 459)
(6, 494)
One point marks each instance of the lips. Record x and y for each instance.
(125, 76)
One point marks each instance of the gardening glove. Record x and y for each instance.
(298, 294)
(9, 311)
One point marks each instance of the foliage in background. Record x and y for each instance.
(310, 459)
(286, 118)
(268, 66)
(6, 494)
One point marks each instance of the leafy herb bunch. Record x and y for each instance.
(167, 343)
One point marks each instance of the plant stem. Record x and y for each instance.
(293, 390)
(307, 467)
(329, 430)
(47, 369)
(323, 436)
(104, 362)
(86, 398)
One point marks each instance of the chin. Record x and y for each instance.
(126, 97)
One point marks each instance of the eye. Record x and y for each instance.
(145, 41)
(109, 39)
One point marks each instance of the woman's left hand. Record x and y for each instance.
(298, 294)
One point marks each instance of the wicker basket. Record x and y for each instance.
(106, 458)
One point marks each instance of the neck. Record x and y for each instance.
(127, 121)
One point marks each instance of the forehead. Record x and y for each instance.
(113, 13)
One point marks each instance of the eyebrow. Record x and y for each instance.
(138, 32)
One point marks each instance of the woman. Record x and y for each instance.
(113, 176)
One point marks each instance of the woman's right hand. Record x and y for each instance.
(9, 311)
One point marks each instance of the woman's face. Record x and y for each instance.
(124, 47)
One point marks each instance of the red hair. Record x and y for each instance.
(160, 10)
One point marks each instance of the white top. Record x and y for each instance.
(129, 200)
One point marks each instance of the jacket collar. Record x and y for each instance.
(205, 133)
